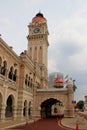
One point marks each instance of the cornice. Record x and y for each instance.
(8, 49)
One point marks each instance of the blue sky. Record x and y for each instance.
(67, 24)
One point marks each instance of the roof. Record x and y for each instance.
(39, 18)
(58, 80)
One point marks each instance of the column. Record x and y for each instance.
(20, 112)
(70, 98)
(3, 107)
(36, 113)
(26, 112)
(15, 114)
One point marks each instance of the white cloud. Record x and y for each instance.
(80, 60)
(72, 34)
(73, 28)
(81, 91)
(5, 23)
(52, 66)
(33, 3)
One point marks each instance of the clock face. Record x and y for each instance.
(36, 30)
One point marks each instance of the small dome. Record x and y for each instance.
(38, 18)
(58, 80)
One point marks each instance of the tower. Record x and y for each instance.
(38, 45)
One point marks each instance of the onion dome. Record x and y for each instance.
(39, 18)
(58, 80)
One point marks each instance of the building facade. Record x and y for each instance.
(24, 86)
(85, 102)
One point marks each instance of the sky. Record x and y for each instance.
(67, 25)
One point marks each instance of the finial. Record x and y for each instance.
(39, 11)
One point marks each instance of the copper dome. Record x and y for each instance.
(58, 80)
(38, 18)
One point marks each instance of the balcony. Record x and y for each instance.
(7, 83)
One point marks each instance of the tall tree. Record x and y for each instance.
(80, 105)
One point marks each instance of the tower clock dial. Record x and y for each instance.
(36, 30)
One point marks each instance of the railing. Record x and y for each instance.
(11, 84)
(7, 82)
(28, 89)
(2, 77)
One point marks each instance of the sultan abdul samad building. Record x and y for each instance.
(24, 86)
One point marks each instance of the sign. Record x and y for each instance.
(73, 103)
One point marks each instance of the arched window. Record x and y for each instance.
(38, 85)
(55, 110)
(25, 108)
(30, 52)
(29, 109)
(15, 75)
(3, 68)
(26, 79)
(11, 73)
(9, 110)
(40, 54)
(35, 53)
(0, 64)
(31, 83)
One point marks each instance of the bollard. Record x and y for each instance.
(77, 127)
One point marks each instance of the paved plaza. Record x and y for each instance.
(67, 123)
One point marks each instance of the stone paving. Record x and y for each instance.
(11, 123)
(80, 117)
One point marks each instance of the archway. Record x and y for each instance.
(25, 108)
(29, 109)
(0, 104)
(9, 110)
(49, 108)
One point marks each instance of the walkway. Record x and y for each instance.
(43, 124)
(81, 117)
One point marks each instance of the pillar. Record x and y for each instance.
(26, 112)
(3, 107)
(15, 112)
(69, 110)
(36, 113)
(70, 98)
(20, 112)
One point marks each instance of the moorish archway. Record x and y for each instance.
(29, 109)
(25, 108)
(0, 104)
(9, 105)
(49, 108)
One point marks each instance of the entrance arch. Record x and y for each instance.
(9, 109)
(29, 109)
(0, 104)
(49, 108)
(25, 108)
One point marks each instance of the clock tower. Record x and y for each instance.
(38, 44)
